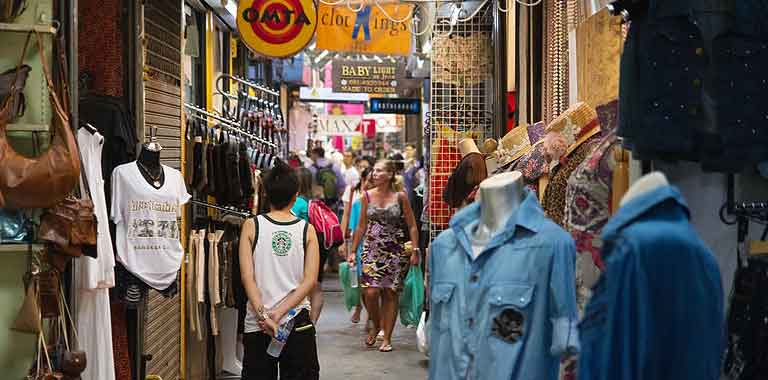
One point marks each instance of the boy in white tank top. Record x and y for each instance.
(279, 261)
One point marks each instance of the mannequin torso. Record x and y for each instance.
(646, 183)
(500, 196)
(150, 167)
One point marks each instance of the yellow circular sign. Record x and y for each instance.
(276, 28)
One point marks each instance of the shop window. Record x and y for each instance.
(194, 56)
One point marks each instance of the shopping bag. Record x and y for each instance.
(351, 295)
(422, 334)
(412, 298)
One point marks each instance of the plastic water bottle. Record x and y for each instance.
(353, 276)
(278, 342)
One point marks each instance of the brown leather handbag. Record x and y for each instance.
(10, 9)
(14, 78)
(70, 225)
(43, 181)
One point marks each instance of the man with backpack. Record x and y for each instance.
(329, 177)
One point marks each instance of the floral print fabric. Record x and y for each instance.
(385, 262)
(589, 189)
(554, 203)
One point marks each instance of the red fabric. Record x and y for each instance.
(100, 45)
(445, 157)
(120, 341)
(511, 108)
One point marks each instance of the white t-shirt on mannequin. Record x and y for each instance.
(148, 233)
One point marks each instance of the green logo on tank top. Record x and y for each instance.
(281, 243)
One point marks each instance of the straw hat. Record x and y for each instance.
(518, 142)
(575, 124)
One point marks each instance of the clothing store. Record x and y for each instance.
(607, 235)
(122, 263)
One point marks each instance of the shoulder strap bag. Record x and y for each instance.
(43, 181)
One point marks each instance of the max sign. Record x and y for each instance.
(276, 28)
(338, 125)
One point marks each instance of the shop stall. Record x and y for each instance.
(591, 198)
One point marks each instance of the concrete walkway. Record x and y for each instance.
(343, 355)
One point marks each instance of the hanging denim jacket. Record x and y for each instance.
(693, 82)
(510, 313)
(657, 310)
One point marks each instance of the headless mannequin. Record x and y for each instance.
(149, 165)
(645, 184)
(499, 196)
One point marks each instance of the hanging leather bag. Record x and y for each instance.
(71, 224)
(10, 79)
(10, 9)
(72, 362)
(43, 181)
(28, 318)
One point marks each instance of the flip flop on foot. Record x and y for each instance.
(385, 348)
(370, 341)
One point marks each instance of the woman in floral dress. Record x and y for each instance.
(385, 261)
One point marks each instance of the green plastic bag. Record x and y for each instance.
(351, 295)
(412, 298)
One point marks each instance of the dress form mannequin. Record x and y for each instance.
(149, 163)
(646, 183)
(500, 196)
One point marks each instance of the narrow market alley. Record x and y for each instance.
(340, 346)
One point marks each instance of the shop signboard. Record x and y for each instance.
(397, 106)
(368, 128)
(371, 29)
(338, 125)
(324, 94)
(367, 76)
(277, 28)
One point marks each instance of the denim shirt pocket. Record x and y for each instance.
(441, 297)
(509, 312)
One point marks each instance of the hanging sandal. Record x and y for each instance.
(385, 348)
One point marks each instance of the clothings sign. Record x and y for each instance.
(371, 29)
(276, 28)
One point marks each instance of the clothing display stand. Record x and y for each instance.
(225, 210)
(229, 125)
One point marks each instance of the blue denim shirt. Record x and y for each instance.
(511, 312)
(657, 310)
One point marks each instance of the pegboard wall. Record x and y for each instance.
(461, 98)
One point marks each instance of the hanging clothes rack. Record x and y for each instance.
(226, 210)
(250, 84)
(230, 125)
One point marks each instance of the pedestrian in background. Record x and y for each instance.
(385, 261)
(349, 222)
(301, 207)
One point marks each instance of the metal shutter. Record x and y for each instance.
(162, 109)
